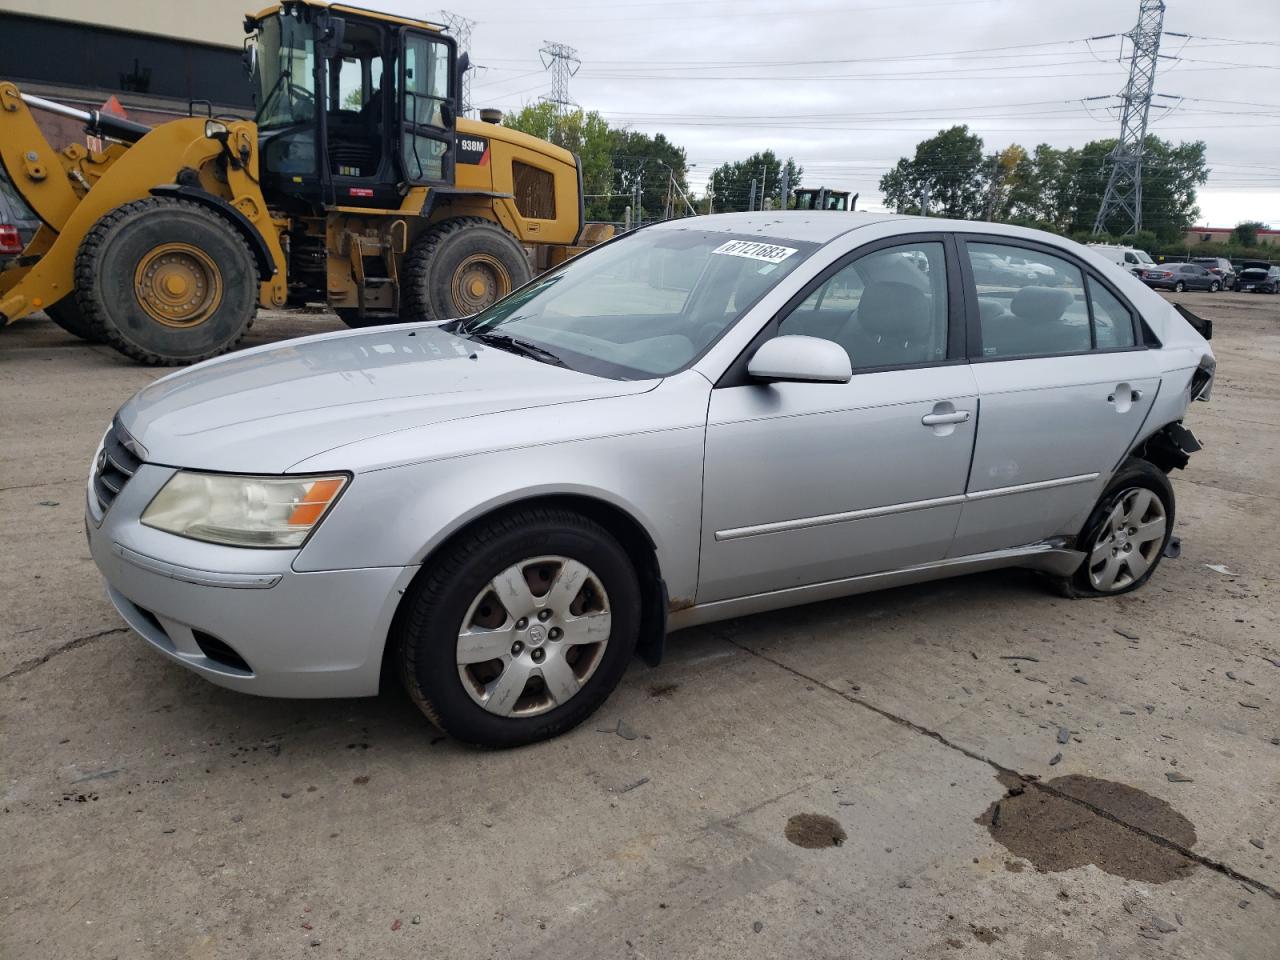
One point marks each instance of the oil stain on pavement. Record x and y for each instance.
(813, 831)
(1053, 826)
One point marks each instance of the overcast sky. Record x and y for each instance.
(724, 78)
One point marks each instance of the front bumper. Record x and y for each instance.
(243, 619)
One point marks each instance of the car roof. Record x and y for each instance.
(821, 227)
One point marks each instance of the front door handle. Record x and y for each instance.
(940, 419)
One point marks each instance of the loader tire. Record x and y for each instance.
(460, 267)
(67, 314)
(166, 281)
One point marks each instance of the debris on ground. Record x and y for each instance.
(1249, 706)
(1162, 925)
(631, 786)
(1063, 734)
(1258, 843)
(1125, 633)
(1220, 568)
(1021, 657)
(1080, 680)
(621, 728)
(49, 503)
(757, 926)
(1055, 760)
(395, 924)
(1173, 776)
(814, 831)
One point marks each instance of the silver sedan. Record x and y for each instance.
(702, 419)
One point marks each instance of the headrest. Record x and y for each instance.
(896, 310)
(1041, 304)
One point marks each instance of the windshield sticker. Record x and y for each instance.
(768, 252)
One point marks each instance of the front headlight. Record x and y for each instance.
(242, 511)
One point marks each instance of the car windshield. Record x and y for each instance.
(1142, 256)
(643, 306)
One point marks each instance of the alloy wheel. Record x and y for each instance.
(1129, 542)
(533, 636)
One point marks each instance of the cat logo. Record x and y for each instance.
(473, 150)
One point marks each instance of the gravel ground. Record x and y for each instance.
(969, 767)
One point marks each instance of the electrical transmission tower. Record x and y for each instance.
(562, 61)
(460, 27)
(1123, 195)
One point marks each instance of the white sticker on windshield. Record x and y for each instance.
(768, 252)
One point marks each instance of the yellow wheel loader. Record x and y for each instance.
(357, 184)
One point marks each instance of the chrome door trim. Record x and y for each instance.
(804, 523)
(1053, 556)
(1038, 485)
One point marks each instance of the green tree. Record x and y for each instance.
(657, 165)
(1245, 233)
(731, 182)
(951, 166)
(1170, 175)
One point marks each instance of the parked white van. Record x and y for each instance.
(1132, 259)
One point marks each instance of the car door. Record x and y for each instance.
(1064, 384)
(806, 482)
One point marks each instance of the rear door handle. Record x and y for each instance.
(939, 419)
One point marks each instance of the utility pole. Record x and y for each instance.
(994, 188)
(786, 185)
(562, 61)
(751, 197)
(1123, 196)
(764, 183)
(711, 195)
(460, 27)
(924, 199)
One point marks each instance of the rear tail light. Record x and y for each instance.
(10, 242)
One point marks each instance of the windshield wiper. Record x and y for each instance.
(504, 341)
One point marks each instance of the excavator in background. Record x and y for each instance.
(358, 184)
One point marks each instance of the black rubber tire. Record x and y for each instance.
(1132, 473)
(426, 629)
(1179, 287)
(429, 265)
(67, 314)
(1215, 287)
(110, 253)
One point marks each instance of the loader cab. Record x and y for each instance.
(823, 199)
(353, 108)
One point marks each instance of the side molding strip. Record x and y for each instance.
(803, 523)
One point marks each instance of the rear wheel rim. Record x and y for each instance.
(533, 636)
(480, 280)
(178, 285)
(1129, 542)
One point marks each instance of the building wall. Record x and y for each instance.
(154, 77)
(1197, 235)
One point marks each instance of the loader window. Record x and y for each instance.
(426, 93)
(285, 80)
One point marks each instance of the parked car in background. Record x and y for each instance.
(1220, 267)
(1258, 276)
(704, 419)
(1181, 276)
(18, 223)
(1130, 258)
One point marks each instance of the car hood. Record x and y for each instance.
(266, 409)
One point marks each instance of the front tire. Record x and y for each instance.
(521, 629)
(1125, 537)
(1179, 287)
(460, 267)
(166, 281)
(1215, 287)
(67, 314)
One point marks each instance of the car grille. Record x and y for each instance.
(116, 464)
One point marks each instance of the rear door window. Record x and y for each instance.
(1030, 303)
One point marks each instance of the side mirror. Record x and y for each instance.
(803, 359)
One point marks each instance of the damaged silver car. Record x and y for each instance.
(702, 419)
